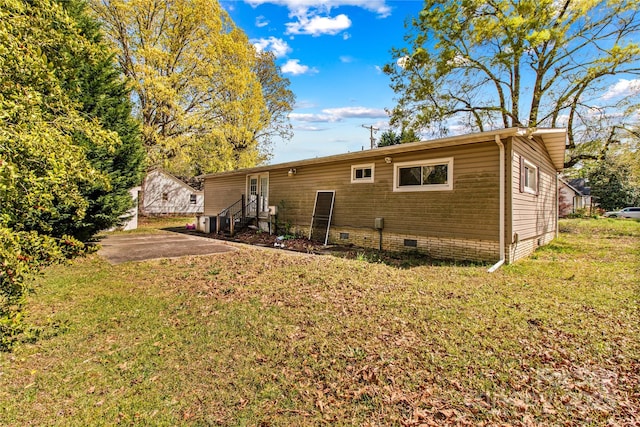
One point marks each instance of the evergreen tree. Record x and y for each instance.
(65, 137)
(389, 137)
(97, 85)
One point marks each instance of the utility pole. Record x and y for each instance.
(372, 130)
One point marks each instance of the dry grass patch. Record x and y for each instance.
(271, 338)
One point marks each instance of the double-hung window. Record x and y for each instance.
(362, 173)
(529, 177)
(423, 175)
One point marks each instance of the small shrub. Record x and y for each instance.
(585, 213)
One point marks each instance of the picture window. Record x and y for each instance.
(427, 175)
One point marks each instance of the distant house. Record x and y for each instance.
(488, 196)
(573, 196)
(164, 194)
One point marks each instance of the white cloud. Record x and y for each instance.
(379, 7)
(345, 59)
(261, 21)
(278, 46)
(623, 87)
(301, 104)
(313, 118)
(312, 17)
(294, 67)
(332, 115)
(359, 112)
(319, 25)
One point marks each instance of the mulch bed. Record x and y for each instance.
(304, 245)
(289, 242)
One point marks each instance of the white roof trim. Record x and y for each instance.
(553, 139)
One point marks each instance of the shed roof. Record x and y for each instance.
(554, 141)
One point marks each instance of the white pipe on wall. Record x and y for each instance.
(497, 265)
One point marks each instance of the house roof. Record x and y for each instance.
(571, 187)
(175, 179)
(581, 185)
(554, 141)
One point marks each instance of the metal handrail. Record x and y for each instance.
(237, 212)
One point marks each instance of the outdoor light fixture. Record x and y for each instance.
(292, 171)
(387, 159)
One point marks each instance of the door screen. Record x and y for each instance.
(321, 219)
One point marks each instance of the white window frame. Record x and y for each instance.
(354, 168)
(530, 172)
(420, 163)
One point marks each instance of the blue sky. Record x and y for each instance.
(333, 52)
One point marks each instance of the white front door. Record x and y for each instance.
(258, 194)
(264, 194)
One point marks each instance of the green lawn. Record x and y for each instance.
(272, 338)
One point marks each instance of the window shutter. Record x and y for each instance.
(522, 174)
(538, 183)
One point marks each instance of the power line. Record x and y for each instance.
(372, 130)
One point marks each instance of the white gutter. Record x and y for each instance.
(497, 265)
(557, 205)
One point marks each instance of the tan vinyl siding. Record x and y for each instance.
(533, 215)
(461, 223)
(470, 210)
(222, 192)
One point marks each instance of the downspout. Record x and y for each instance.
(497, 265)
(557, 203)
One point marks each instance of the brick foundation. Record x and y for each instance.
(435, 247)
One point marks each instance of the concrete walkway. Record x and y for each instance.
(119, 248)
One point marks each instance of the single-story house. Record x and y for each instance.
(489, 196)
(573, 195)
(164, 194)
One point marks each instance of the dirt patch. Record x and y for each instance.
(288, 242)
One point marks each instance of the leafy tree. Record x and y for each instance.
(488, 64)
(194, 77)
(613, 183)
(102, 95)
(278, 97)
(389, 137)
(42, 169)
